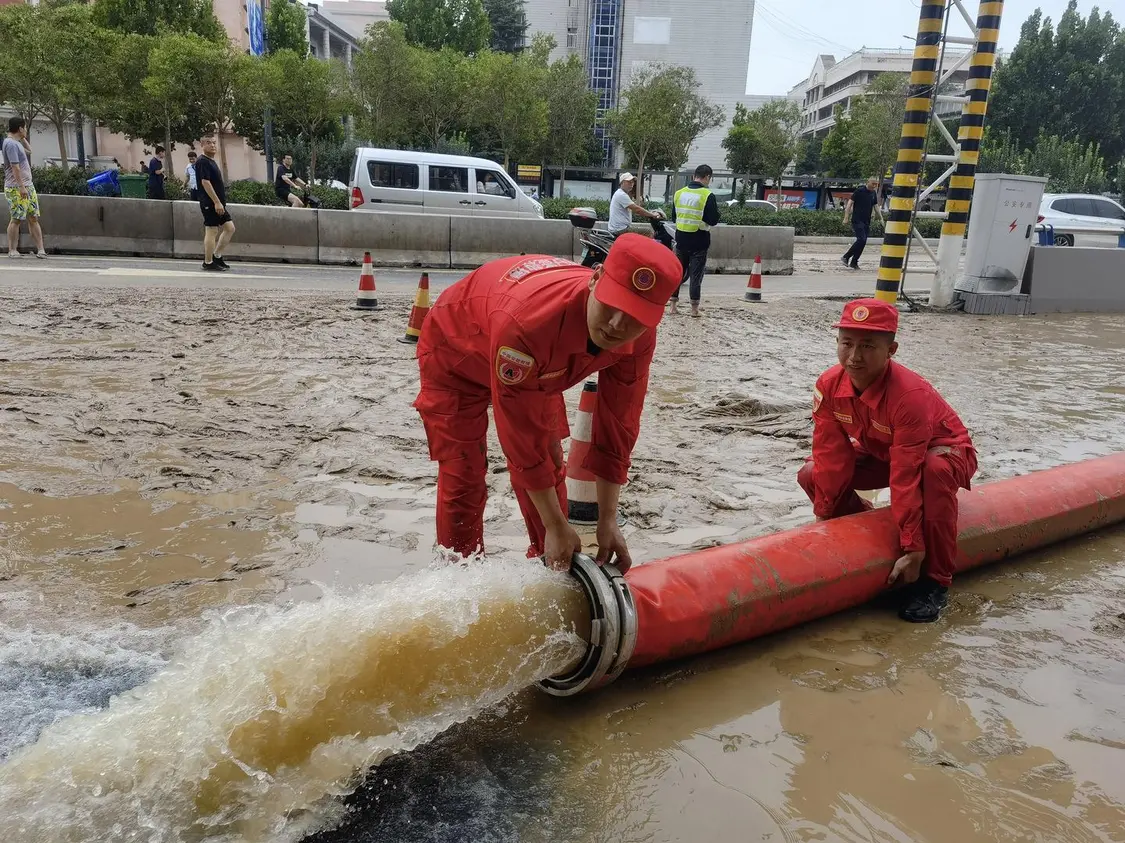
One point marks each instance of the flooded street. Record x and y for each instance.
(171, 454)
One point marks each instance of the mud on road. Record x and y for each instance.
(168, 451)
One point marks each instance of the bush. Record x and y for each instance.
(60, 182)
(250, 192)
(331, 198)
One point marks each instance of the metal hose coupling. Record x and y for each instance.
(613, 629)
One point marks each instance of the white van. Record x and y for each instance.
(395, 180)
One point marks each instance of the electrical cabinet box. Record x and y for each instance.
(1001, 227)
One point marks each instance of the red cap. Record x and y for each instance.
(638, 277)
(869, 315)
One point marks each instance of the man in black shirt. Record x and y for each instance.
(156, 175)
(858, 210)
(695, 211)
(219, 228)
(285, 183)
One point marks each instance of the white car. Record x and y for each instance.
(755, 205)
(1081, 219)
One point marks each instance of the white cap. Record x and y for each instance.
(626, 177)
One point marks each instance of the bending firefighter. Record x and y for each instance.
(515, 334)
(878, 424)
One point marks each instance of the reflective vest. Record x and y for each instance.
(690, 202)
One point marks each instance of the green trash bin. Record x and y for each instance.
(133, 186)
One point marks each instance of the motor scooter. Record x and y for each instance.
(596, 244)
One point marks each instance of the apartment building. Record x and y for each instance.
(834, 83)
(616, 38)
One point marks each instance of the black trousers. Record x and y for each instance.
(861, 229)
(694, 263)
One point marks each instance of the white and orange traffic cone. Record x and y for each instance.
(581, 485)
(754, 288)
(365, 298)
(418, 311)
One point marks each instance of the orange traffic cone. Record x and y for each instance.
(581, 485)
(365, 299)
(419, 311)
(754, 288)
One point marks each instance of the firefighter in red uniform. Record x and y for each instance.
(515, 334)
(877, 423)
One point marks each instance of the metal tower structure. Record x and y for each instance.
(926, 78)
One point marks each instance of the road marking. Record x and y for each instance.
(137, 272)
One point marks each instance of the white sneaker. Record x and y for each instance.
(12, 254)
(41, 255)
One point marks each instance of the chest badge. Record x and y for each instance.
(843, 418)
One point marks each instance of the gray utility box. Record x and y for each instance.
(1004, 212)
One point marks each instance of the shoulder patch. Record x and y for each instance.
(817, 397)
(844, 418)
(518, 273)
(513, 366)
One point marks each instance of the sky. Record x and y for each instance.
(788, 35)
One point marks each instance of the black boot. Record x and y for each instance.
(924, 602)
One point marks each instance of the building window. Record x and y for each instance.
(652, 30)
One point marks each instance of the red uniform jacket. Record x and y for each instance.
(516, 328)
(896, 420)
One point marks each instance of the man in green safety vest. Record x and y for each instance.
(694, 212)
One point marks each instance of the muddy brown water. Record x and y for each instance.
(169, 455)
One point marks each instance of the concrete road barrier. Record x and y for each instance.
(734, 248)
(392, 239)
(477, 240)
(1075, 280)
(97, 225)
(262, 232)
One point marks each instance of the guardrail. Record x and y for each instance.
(1048, 232)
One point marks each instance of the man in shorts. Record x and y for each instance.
(286, 183)
(23, 201)
(218, 226)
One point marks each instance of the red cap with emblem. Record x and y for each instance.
(639, 276)
(869, 315)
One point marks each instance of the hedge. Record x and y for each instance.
(72, 182)
(805, 223)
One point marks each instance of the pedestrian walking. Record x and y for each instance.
(189, 177)
(156, 175)
(540, 325)
(218, 225)
(694, 211)
(863, 201)
(23, 201)
(622, 205)
(876, 424)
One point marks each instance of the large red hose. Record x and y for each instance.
(723, 595)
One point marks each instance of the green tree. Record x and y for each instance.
(509, 108)
(441, 102)
(778, 127)
(310, 94)
(150, 17)
(571, 110)
(287, 27)
(810, 151)
(25, 67)
(661, 114)
(837, 156)
(387, 78)
(460, 24)
(877, 124)
(743, 146)
(508, 19)
(1067, 81)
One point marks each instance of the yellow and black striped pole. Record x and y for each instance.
(908, 170)
(961, 184)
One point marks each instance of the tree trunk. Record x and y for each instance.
(562, 181)
(640, 177)
(222, 149)
(312, 159)
(507, 159)
(60, 130)
(169, 167)
(80, 138)
(777, 187)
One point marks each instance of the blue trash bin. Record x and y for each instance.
(104, 183)
(1046, 235)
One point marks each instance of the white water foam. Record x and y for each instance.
(261, 722)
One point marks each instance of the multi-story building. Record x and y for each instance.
(615, 38)
(837, 83)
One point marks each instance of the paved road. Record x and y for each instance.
(58, 271)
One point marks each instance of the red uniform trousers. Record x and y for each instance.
(456, 422)
(945, 470)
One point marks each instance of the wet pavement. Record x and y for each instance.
(169, 453)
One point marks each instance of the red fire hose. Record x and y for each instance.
(712, 598)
